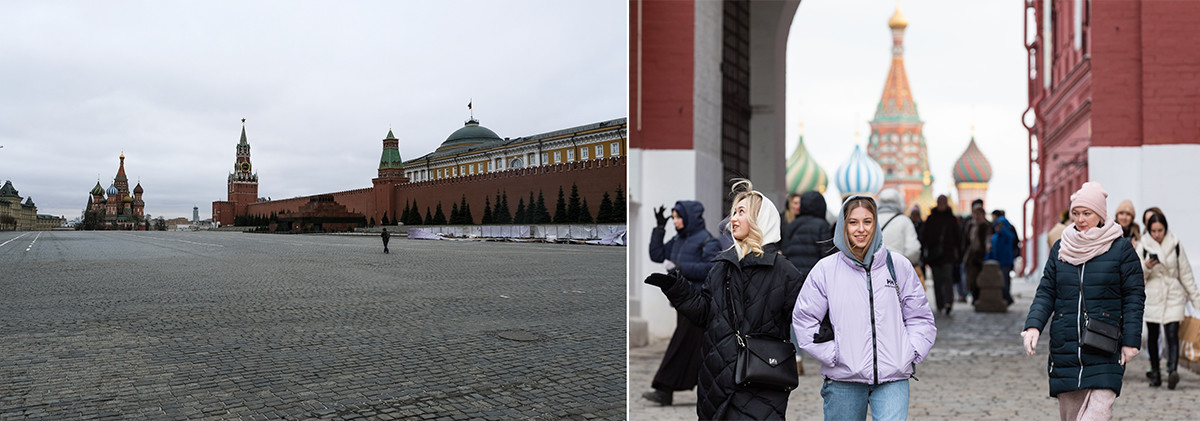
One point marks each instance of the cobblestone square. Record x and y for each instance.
(219, 325)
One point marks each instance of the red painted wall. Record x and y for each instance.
(593, 178)
(1116, 73)
(661, 114)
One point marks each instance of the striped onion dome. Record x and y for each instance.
(972, 166)
(859, 175)
(112, 190)
(803, 173)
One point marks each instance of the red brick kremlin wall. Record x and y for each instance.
(661, 94)
(593, 177)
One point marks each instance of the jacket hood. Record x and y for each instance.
(839, 235)
(1001, 223)
(812, 203)
(891, 201)
(692, 214)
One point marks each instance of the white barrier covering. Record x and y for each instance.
(591, 234)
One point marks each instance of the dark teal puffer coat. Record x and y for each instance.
(1113, 292)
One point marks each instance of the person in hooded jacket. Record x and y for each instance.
(876, 335)
(807, 239)
(899, 233)
(1091, 274)
(1169, 284)
(690, 253)
(1003, 250)
(761, 285)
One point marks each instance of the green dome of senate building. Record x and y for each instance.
(471, 134)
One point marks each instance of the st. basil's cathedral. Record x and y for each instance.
(115, 207)
(896, 155)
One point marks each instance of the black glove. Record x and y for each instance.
(660, 216)
(660, 280)
(825, 333)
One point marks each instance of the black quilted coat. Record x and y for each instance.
(765, 287)
(1113, 292)
(809, 237)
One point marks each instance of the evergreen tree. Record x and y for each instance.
(505, 214)
(454, 214)
(604, 214)
(372, 221)
(560, 208)
(274, 217)
(428, 217)
(385, 219)
(415, 214)
(573, 205)
(585, 215)
(619, 214)
(464, 212)
(543, 214)
(487, 211)
(439, 218)
(520, 217)
(404, 215)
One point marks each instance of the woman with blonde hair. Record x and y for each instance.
(748, 294)
(868, 340)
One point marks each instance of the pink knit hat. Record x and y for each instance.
(1091, 196)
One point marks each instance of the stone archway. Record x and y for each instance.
(707, 90)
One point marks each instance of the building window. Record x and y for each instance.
(570, 155)
(499, 164)
(599, 151)
(545, 157)
(557, 157)
(529, 159)
(515, 163)
(583, 153)
(439, 174)
(615, 150)
(471, 168)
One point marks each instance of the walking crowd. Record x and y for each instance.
(773, 285)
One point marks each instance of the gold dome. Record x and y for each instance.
(898, 21)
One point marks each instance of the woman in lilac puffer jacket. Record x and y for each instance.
(879, 325)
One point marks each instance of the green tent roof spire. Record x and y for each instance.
(390, 135)
(243, 142)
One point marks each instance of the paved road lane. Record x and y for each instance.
(220, 325)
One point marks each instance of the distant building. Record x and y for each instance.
(115, 208)
(473, 166)
(897, 143)
(16, 215)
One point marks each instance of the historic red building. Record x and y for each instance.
(1113, 97)
(117, 207)
(897, 142)
(243, 185)
(590, 157)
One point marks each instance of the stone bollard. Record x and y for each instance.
(990, 284)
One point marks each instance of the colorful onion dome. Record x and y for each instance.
(972, 166)
(803, 173)
(97, 190)
(138, 189)
(859, 175)
(112, 190)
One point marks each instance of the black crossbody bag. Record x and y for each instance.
(761, 358)
(1096, 336)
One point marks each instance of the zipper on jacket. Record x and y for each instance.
(1079, 328)
(874, 340)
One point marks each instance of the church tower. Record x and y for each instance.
(391, 172)
(243, 182)
(896, 142)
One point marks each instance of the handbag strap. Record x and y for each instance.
(731, 312)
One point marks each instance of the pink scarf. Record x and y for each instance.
(1078, 247)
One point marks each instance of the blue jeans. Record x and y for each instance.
(848, 401)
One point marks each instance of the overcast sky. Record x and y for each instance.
(965, 63)
(319, 83)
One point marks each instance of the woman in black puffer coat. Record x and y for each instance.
(762, 285)
(1094, 270)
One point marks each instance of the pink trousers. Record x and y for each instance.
(1086, 405)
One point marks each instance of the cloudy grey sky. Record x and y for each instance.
(319, 84)
(965, 63)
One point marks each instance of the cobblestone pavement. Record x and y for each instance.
(164, 325)
(977, 370)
